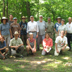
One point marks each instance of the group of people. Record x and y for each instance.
(15, 36)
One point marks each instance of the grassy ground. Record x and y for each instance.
(38, 63)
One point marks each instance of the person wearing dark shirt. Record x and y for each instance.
(3, 47)
(10, 19)
(23, 32)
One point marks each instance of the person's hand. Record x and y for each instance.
(19, 36)
(16, 47)
(2, 54)
(28, 35)
(47, 47)
(11, 36)
(57, 51)
(36, 36)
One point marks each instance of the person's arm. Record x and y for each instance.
(44, 44)
(35, 44)
(64, 47)
(2, 48)
(56, 42)
(51, 43)
(19, 30)
(56, 48)
(58, 32)
(27, 31)
(0, 29)
(54, 28)
(0, 32)
(66, 42)
(29, 44)
(10, 33)
(37, 31)
(65, 33)
(65, 30)
(45, 27)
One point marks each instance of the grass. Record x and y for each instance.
(38, 63)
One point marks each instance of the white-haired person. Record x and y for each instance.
(61, 44)
(31, 44)
(69, 31)
(47, 44)
(32, 27)
(16, 44)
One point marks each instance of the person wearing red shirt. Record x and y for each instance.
(47, 44)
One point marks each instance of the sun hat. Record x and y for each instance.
(23, 17)
(16, 32)
(4, 18)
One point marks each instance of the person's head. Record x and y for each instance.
(15, 20)
(32, 18)
(11, 17)
(47, 36)
(23, 18)
(16, 34)
(4, 20)
(62, 21)
(62, 33)
(70, 19)
(49, 19)
(1, 38)
(40, 17)
(31, 35)
(59, 19)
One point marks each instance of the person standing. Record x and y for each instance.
(15, 27)
(23, 32)
(62, 27)
(50, 27)
(32, 27)
(69, 31)
(57, 26)
(61, 44)
(10, 19)
(5, 30)
(42, 28)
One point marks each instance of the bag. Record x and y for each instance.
(13, 52)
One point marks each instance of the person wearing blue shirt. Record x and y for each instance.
(23, 26)
(56, 26)
(5, 30)
(3, 47)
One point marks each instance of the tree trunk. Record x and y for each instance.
(7, 9)
(28, 10)
(3, 7)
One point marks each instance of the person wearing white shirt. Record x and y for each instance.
(32, 26)
(42, 28)
(61, 44)
(62, 27)
(69, 31)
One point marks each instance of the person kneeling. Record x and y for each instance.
(3, 48)
(47, 44)
(61, 44)
(16, 44)
(31, 44)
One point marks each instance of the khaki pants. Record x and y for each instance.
(59, 49)
(51, 35)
